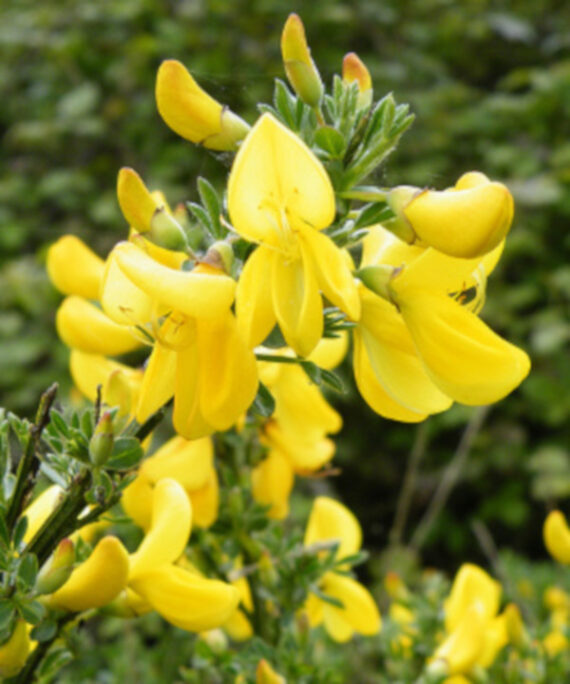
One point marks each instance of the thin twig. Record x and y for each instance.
(450, 477)
(29, 463)
(409, 484)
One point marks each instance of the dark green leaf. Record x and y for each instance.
(20, 531)
(264, 403)
(7, 610)
(331, 141)
(27, 571)
(211, 202)
(32, 611)
(202, 216)
(372, 214)
(45, 631)
(59, 423)
(127, 453)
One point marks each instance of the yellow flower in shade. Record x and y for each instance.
(73, 268)
(296, 433)
(183, 598)
(329, 520)
(199, 356)
(238, 626)
(280, 196)
(557, 537)
(301, 71)
(192, 113)
(191, 464)
(465, 221)
(14, 651)
(354, 71)
(555, 642)
(422, 345)
(265, 674)
(475, 633)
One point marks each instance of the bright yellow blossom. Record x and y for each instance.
(14, 651)
(73, 268)
(466, 221)
(280, 196)
(192, 113)
(329, 520)
(557, 537)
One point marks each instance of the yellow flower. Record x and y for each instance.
(14, 652)
(182, 597)
(328, 521)
(265, 674)
(191, 464)
(296, 433)
(73, 268)
(192, 113)
(555, 642)
(199, 356)
(421, 345)
(280, 195)
(466, 221)
(301, 71)
(557, 537)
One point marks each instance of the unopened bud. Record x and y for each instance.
(265, 674)
(267, 570)
(220, 255)
(301, 71)
(354, 71)
(165, 231)
(55, 572)
(398, 199)
(101, 443)
(515, 626)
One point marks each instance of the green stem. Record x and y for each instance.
(146, 428)
(450, 476)
(29, 463)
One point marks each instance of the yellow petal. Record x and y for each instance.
(228, 372)
(121, 299)
(187, 462)
(330, 351)
(40, 509)
(300, 68)
(272, 482)
(277, 184)
(332, 271)
(380, 246)
(297, 303)
(188, 419)
(90, 370)
(169, 528)
(360, 611)
(136, 501)
(193, 294)
(471, 585)
(254, 305)
(373, 392)
(313, 608)
(394, 359)
(192, 113)
(238, 627)
(14, 652)
(73, 268)
(463, 647)
(306, 453)
(464, 223)
(158, 382)
(555, 642)
(463, 357)
(187, 600)
(82, 325)
(330, 520)
(97, 581)
(496, 638)
(206, 501)
(557, 537)
(136, 202)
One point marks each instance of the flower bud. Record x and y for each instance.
(220, 255)
(165, 231)
(265, 674)
(14, 652)
(300, 68)
(192, 113)
(55, 572)
(354, 71)
(557, 537)
(101, 443)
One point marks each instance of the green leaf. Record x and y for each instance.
(284, 103)
(211, 202)
(320, 376)
(127, 454)
(331, 141)
(45, 631)
(264, 403)
(59, 423)
(32, 611)
(27, 571)
(20, 531)
(4, 533)
(52, 663)
(372, 214)
(7, 610)
(326, 598)
(202, 216)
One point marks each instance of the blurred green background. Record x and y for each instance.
(490, 85)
